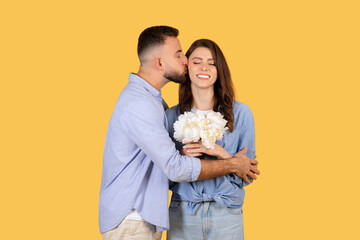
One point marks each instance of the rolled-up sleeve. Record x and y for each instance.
(246, 139)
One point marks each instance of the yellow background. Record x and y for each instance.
(295, 63)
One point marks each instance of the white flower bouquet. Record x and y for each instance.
(191, 127)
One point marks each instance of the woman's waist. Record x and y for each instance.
(192, 205)
(228, 194)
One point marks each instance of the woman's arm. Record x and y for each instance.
(197, 149)
(248, 165)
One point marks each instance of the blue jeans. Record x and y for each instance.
(211, 222)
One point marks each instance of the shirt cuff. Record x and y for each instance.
(196, 168)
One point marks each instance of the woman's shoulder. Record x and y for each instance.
(172, 114)
(239, 107)
(242, 116)
(173, 110)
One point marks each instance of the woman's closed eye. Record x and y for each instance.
(212, 64)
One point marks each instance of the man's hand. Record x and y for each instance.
(244, 166)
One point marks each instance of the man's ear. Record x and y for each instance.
(158, 64)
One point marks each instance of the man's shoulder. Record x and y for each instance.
(133, 98)
(132, 91)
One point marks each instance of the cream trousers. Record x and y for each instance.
(133, 229)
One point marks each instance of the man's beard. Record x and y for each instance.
(175, 77)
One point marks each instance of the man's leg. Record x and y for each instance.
(133, 229)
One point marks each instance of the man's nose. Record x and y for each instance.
(185, 61)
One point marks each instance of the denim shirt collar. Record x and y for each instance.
(133, 77)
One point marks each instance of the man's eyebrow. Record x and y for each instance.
(178, 51)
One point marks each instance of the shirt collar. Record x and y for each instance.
(133, 77)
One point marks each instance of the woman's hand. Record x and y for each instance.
(197, 149)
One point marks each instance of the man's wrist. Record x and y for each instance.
(230, 162)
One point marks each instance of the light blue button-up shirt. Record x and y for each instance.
(225, 190)
(139, 158)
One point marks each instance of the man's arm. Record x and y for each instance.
(247, 167)
(240, 165)
(144, 125)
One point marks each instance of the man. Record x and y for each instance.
(140, 157)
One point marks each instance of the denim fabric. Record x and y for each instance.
(228, 190)
(210, 221)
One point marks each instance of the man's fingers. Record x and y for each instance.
(246, 179)
(254, 170)
(253, 161)
(241, 152)
(244, 150)
(252, 176)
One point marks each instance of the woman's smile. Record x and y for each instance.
(203, 76)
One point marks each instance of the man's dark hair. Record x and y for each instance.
(154, 36)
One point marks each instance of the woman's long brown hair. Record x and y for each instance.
(223, 87)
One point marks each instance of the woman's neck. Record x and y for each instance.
(203, 98)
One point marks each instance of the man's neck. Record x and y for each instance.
(153, 79)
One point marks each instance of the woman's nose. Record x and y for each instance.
(203, 67)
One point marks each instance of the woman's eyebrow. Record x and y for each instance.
(210, 59)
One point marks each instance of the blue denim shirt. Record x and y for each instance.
(225, 190)
(139, 158)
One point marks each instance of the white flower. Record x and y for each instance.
(192, 127)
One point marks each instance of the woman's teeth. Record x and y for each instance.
(203, 76)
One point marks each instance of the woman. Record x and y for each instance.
(210, 209)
